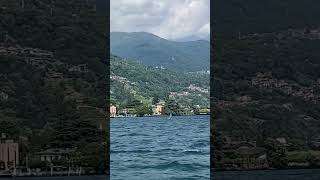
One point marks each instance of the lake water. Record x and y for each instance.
(60, 178)
(295, 174)
(158, 148)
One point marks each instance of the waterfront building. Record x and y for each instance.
(245, 155)
(113, 111)
(50, 155)
(9, 153)
(158, 109)
(154, 109)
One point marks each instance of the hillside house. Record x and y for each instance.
(50, 155)
(253, 158)
(158, 109)
(244, 155)
(79, 68)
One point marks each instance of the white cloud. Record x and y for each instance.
(204, 31)
(172, 19)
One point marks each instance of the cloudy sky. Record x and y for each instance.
(170, 19)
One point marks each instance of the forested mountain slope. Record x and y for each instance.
(130, 80)
(53, 77)
(268, 85)
(152, 50)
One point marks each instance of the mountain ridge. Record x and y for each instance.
(153, 50)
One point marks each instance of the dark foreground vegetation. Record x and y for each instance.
(265, 85)
(266, 93)
(53, 75)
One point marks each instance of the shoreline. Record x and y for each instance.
(262, 169)
(159, 116)
(46, 176)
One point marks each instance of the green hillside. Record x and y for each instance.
(154, 51)
(267, 85)
(53, 79)
(146, 82)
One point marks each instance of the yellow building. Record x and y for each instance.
(9, 154)
(158, 109)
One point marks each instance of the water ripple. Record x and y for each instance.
(158, 148)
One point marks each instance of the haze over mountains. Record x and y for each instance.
(155, 51)
(193, 38)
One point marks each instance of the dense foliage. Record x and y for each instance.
(71, 29)
(268, 86)
(39, 110)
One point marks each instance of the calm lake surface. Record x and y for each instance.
(158, 148)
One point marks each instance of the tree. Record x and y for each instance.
(216, 148)
(172, 107)
(155, 99)
(9, 126)
(276, 154)
(196, 110)
(90, 156)
(143, 110)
